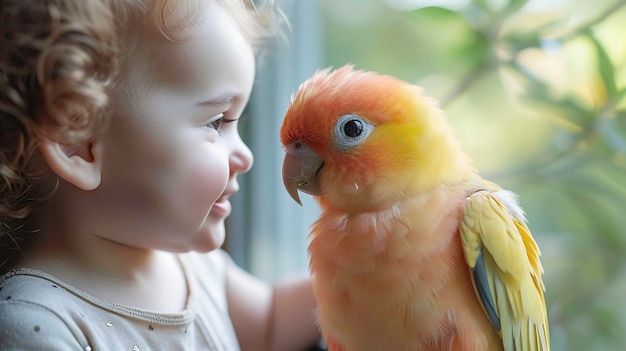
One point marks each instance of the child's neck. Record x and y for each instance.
(113, 272)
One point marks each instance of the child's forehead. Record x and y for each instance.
(172, 18)
(167, 29)
(216, 55)
(153, 33)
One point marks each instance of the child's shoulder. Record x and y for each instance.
(30, 287)
(29, 313)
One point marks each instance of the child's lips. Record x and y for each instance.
(222, 207)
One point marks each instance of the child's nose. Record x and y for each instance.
(241, 159)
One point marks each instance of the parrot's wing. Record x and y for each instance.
(505, 269)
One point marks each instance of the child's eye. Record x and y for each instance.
(215, 122)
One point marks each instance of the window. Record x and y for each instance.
(268, 230)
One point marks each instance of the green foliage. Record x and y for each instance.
(561, 72)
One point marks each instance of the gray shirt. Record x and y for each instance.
(40, 312)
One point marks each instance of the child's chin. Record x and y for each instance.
(211, 237)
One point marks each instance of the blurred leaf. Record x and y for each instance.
(613, 133)
(474, 53)
(608, 321)
(484, 6)
(499, 10)
(515, 5)
(605, 66)
(518, 40)
(568, 108)
(450, 37)
(596, 204)
(620, 95)
(436, 16)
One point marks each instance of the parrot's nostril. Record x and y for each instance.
(297, 145)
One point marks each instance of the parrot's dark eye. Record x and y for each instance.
(353, 128)
(350, 131)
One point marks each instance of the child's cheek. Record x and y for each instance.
(205, 182)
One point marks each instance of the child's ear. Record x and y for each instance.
(79, 165)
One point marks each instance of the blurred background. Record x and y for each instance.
(535, 90)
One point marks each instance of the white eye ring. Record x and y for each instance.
(350, 130)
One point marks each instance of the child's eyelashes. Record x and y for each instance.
(215, 122)
(218, 120)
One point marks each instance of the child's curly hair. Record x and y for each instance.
(59, 61)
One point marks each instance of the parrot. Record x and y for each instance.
(412, 250)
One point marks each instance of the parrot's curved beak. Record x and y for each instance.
(300, 168)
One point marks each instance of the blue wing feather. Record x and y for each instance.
(481, 284)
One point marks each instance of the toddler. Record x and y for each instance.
(119, 150)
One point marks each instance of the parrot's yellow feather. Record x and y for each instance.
(512, 265)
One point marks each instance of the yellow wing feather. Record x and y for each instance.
(497, 241)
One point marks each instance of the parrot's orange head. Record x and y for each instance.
(358, 141)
